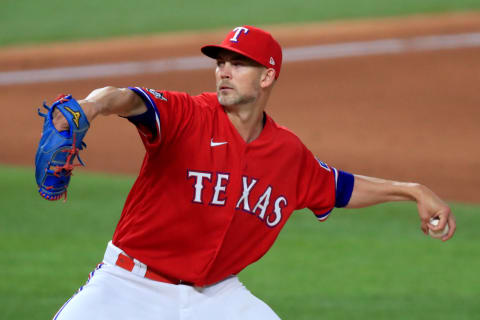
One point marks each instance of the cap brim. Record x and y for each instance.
(213, 50)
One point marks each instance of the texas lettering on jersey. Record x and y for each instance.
(260, 209)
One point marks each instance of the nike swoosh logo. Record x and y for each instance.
(216, 144)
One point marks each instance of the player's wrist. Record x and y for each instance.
(409, 191)
(417, 191)
(90, 109)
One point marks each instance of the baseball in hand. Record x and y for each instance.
(437, 234)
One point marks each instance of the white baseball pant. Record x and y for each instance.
(115, 293)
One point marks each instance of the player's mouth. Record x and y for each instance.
(224, 87)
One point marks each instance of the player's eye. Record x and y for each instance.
(238, 63)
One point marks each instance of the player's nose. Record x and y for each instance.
(225, 70)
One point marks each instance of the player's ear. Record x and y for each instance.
(267, 78)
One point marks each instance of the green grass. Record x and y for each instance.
(29, 21)
(48, 248)
(365, 264)
(371, 264)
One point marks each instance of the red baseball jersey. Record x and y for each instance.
(206, 204)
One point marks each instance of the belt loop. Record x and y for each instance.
(139, 268)
(111, 254)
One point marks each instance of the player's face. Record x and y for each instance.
(237, 79)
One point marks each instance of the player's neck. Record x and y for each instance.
(248, 122)
(248, 118)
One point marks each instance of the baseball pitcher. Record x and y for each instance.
(219, 180)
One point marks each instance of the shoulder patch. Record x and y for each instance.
(323, 164)
(157, 94)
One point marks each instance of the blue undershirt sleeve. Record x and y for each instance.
(145, 120)
(344, 188)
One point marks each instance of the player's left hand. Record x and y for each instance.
(59, 147)
(431, 206)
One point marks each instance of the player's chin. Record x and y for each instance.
(226, 99)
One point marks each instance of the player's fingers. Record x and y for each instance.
(424, 227)
(59, 121)
(437, 225)
(424, 218)
(452, 225)
(440, 215)
(443, 215)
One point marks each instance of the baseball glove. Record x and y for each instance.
(57, 150)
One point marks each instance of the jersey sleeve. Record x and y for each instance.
(168, 113)
(322, 187)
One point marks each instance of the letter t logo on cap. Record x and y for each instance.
(238, 31)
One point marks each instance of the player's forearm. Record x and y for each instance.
(111, 100)
(369, 191)
(106, 101)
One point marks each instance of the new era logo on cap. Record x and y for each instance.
(253, 43)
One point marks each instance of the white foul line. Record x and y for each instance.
(325, 51)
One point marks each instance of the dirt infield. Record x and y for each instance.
(412, 116)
